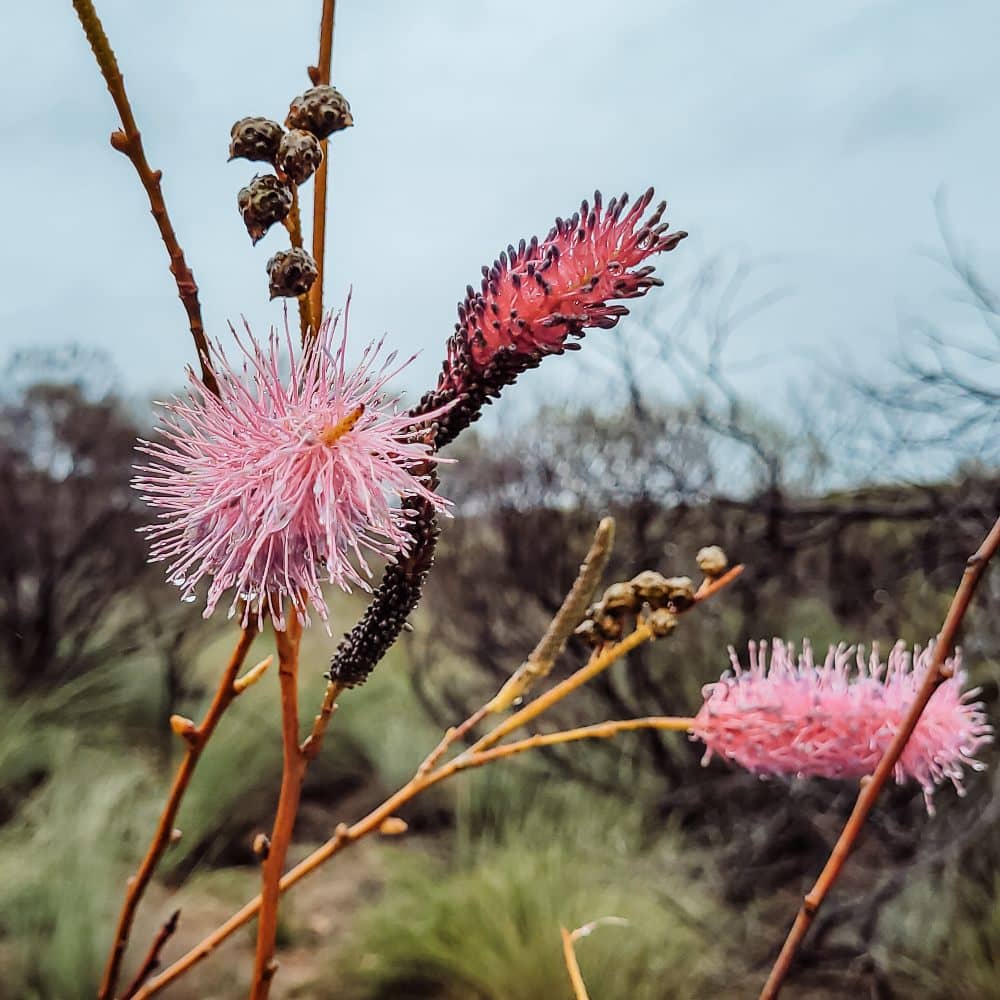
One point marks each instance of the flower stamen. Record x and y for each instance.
(333, 432)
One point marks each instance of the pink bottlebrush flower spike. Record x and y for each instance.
(836, 720)
(279, 483)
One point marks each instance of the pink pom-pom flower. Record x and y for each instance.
(281, 483)
(795, 717)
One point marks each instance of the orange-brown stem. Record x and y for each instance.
(152, 960)
(293, 770)
(293, 223)
(320, 74)
(573, 966)
(873, 785)
(195, 744)
(127, 140)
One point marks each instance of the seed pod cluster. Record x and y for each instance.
(295, 156)
(655, 597)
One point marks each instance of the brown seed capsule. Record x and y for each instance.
(263, 202)
(255, 139)
(587, 631)
(680, 592)
(299, 155)
(661, 622)
(291, 272)
(712, 561)
(262, 845)
(620, 597)
(321, 110)
(609, 626)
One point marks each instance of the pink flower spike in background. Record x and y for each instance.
(835, 720)
(280, 484)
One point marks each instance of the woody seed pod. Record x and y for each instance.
(263, 202)
(255, 139)
(299, 155)
(291, 272)
(321, 110)
(712, 561)
(619, 597)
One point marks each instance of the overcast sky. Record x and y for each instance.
(809, 138)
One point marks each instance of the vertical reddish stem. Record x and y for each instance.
(294, 762)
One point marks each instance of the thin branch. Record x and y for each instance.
(871, 786)
(152, 960)
(572, 966)
(196, 738)
(293, 770)
(572, 612)
(293, 223)
(311, 745)
(320, 74)
(128, 141)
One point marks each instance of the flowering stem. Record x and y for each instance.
(128, 141)
(294, 763)
(424, 780)
(871, 786)
(195, 740)
(320, 74)
(573, 966)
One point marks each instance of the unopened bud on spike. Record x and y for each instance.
(299, 155)
(262, 846)
(291, 272)
(321, 110)
(255, 139)
(263, 202)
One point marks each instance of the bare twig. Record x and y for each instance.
(311, 745)
(195, 741)
(152, 960)
(572, 966)
(937, 674)
(128, 141)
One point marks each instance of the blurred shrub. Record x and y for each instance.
(483, 924)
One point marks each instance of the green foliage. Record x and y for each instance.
(484, 924)
(946, 952)
(58, 862)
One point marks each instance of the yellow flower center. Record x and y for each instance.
(333, 432)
